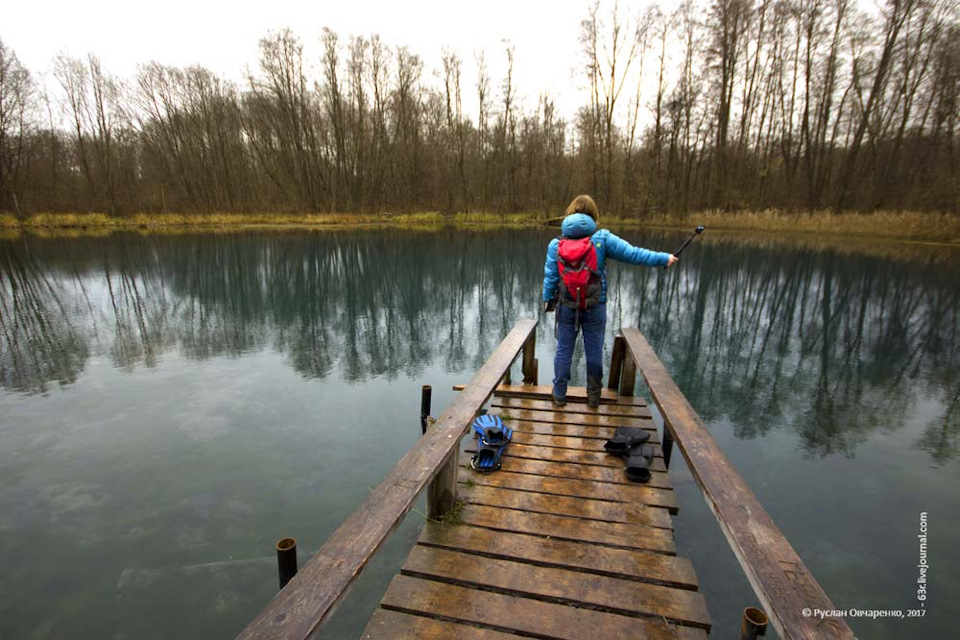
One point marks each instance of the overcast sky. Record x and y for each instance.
(223, 36)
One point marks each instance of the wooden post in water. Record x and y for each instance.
(442, 490)
(529, 362)
(754, 623)
(426, 394)
(616, 362)
(286, 560)
(628, 377)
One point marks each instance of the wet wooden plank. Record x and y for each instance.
(565, 442)
(625, 597)
(594, 532)
(545, 392)
(546, 428)
(532, 618)
(618, 563)
(643, 494)
(312, 594)
(536, 452)
(549, 429)
(613, 534)
(779, 578)
(394, 625)
(583, 419)
(573, 407)
(629, 513)
(571, 470)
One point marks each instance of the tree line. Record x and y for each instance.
(729, 104)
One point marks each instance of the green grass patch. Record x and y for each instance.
(899, 225)
(455, 515)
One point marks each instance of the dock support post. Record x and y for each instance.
(616, 362)
(529, 362)
(754, 623)
(426, 394)
(628, 377)
(286, 560)
(442, 490)
(666, 446)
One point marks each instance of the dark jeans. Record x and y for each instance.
(593, 323)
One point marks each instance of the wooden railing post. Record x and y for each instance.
(628, 376)
(442, 490)
(529, 362)
(616, 362)
(666, 445)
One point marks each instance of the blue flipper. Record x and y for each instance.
(488, 458)
(493, 438)
(490, 430)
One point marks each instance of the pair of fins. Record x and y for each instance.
(631, 443)
(493, 437)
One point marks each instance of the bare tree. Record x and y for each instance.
(281, 122)
(16, 97)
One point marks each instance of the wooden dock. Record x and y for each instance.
(557, 544)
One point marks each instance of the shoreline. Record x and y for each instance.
(937, 229)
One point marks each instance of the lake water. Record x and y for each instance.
(171, 406)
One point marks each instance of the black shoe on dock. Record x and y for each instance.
(558, 401)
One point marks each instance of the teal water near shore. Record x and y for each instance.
(171, 406)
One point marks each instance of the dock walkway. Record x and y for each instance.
(557, 544)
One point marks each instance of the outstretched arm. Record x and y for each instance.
(620, 249)
(551, 275)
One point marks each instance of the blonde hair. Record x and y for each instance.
(583, 204)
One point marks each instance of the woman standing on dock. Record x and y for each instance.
(575, 284)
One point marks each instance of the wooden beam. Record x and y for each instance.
(529, 362)
(616, 362)
(442, 490)
(628, 377)
(312, 595)
(777, 574)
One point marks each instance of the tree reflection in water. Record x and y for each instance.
(833, 347)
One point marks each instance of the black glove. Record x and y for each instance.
(550, 306)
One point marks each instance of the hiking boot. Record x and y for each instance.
(558, 401)
(593, 392)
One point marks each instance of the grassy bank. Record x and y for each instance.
(914, 226)
(890, 225)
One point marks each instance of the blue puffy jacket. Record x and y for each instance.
(578, 225)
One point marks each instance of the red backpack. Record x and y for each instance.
(579, 279)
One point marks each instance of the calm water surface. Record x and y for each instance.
(172, 406)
